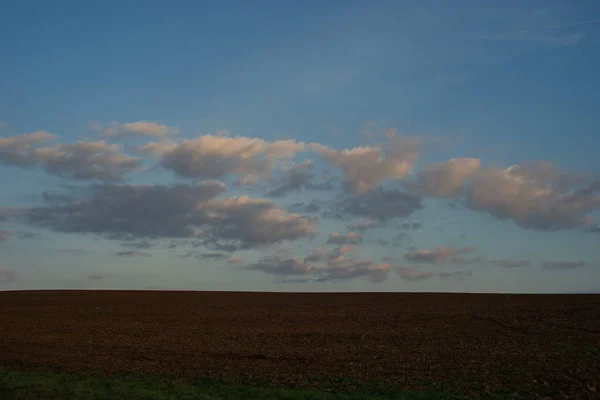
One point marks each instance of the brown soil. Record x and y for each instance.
(538, 343)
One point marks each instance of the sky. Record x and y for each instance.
(399, 146)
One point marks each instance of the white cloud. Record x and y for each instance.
(445, 179)
(86, 160)
(346, 238)
(80, 160)
(128, 129)
(16, 150)
(216, 157)
(145, 128)
(535, 196)
(364, 167)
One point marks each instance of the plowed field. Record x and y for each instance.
(531, 343)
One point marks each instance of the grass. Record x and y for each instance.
(33, 384)
(592, 350)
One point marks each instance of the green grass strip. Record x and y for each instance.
(21, 384)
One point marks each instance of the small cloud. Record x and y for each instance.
(364, 224)
(86, 161)
(189, 254)
(79, 161)
(536, 196)
(218, 157)
(95, 126)
(246, 222)
(130, 212)
(139, 244)
(17, 150)
(446, 179)
(145, 128)
(365, 167)
(130, 129)
(132, 253)
(71, 250)
(348, 238)
(281, 266)
(342, 268)
(6, 234)
(285, 279)
(564, 264)
(458, 275)
(215, 255)
(28, 235)
(412, 275)
(322, 266)
(511, 263)
(437, 256)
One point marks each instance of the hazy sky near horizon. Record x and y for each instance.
(300, 145)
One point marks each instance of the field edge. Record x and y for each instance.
(39, 383)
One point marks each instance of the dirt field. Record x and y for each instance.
(537, 343)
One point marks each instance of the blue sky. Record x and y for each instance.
(318, 146)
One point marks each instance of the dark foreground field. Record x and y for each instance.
(530, 344)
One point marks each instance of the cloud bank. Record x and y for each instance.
(382, 185)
